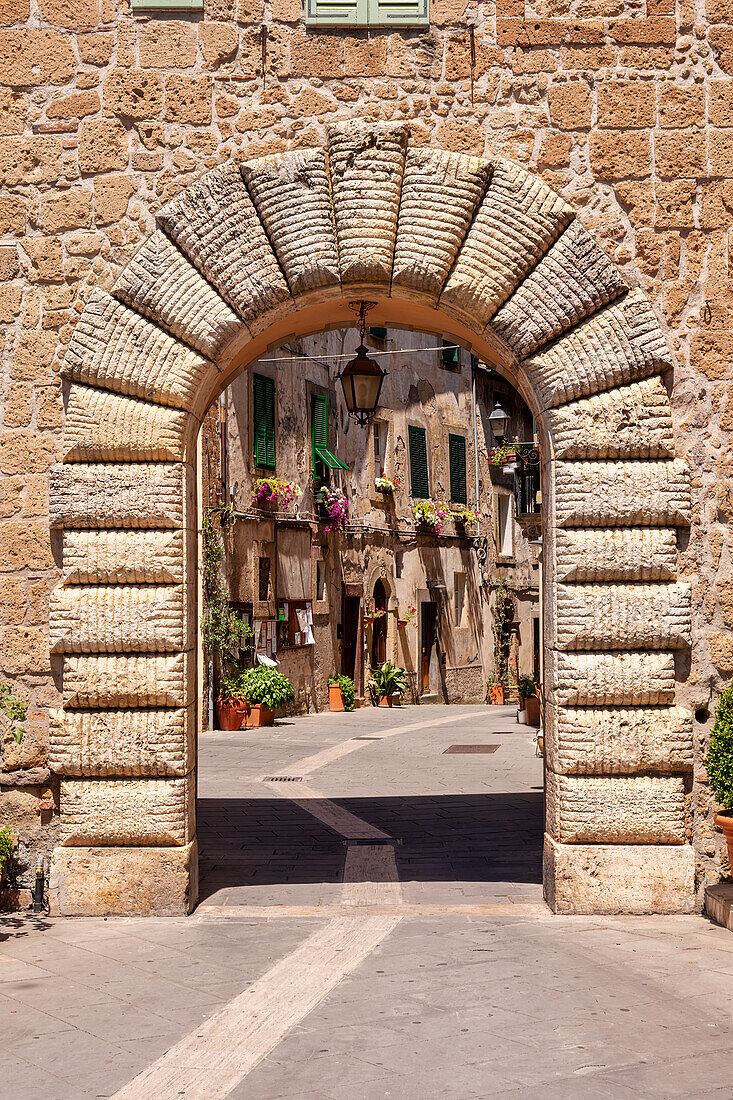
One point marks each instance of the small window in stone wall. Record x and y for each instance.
(366, 13)
(263, 579)
(320, 580)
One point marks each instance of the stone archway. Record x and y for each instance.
(243, 259)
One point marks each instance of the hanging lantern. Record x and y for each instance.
(362, 377)
(498, 421)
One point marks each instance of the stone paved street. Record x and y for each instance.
(370, 927)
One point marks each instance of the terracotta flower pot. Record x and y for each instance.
(532, 706)
(386, 701)
(725, 822)
(259, 716)
(231, 715)
(496, 694)
(335, 698)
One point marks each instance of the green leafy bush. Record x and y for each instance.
(13, 710)
(388, 680)
(526, 686)
(719, 761)
(266, 687)
(7, 848)
(231, 686)
(347, 689)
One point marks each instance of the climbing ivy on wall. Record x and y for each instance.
(225, 631)
(502, 618)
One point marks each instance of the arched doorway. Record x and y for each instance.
(486, 253)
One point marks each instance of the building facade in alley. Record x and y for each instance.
(385, 586)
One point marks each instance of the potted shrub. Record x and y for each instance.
(388, 682)
(529, 703)
(340, 693)
(463, 516)
(266, 690)
(231, 706)
(719, 764)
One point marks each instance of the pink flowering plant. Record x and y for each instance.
(275, 490)
(410, 616)
(337, 508)
(432, 514)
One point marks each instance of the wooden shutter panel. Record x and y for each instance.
(263, 390)
(319, 429)
(336, 13)
(419, 485)
(457, 459)
(397, 12)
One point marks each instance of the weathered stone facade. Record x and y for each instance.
(107, 118)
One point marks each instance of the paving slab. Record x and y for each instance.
(470, 987)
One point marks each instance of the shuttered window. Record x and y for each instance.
(362, 13)
(457, 459)
(323, 459)
(263, 390)
(451, 355)
(419, 484)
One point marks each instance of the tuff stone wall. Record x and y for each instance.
(104, 117)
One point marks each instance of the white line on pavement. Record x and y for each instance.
(209, 1063)
(327, 756)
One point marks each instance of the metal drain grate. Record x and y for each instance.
(282, 778)
(367, 739)
(470, 748)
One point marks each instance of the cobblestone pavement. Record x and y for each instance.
(371, 926)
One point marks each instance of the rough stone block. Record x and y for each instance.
(623, 616)
(627, 809)
(574, 280)
(291, 193)
(719, 904)
(621, 554)
(216, 224)
(122, 742)
(618, 741)
(622, 494)
(366, 162)
(634, 421)
(440, 194)
(116, 349)
(123, 557)
(160, 283)
(517, 222)
(136, 495)
(620, 344)
(612, 679)
(100, 882)
(619, 878)
(102, 426)
(111, 681)
(152, 812)
(118, 619)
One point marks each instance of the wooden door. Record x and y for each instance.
(350, 626)
(428, 616)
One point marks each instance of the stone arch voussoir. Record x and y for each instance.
(487, 250)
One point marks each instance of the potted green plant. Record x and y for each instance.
(340, 693)
(529, 701)
(266, 690)
(8, 843)
(231, 706)
(388, 682)
(719, 764)
(462, 517)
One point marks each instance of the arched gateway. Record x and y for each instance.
(442, 242)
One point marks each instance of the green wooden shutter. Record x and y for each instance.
(360, 13)
(322, 457)
(336, 13)
(387, 13)
(264, 421)
(419, 484)
(457, 458)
